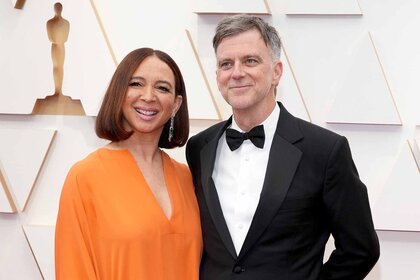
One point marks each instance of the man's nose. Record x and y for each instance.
(238, 71)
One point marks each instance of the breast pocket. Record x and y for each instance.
(296, 212)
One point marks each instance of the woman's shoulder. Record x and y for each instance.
(180, 167)
(81, 174)
(88, 165)
(89, 161)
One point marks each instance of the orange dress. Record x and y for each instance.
(110, 226)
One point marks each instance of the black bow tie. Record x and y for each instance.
(235, 138)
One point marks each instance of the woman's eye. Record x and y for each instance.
(135, 84)
(164, 89)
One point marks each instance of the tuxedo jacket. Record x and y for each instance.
(311, 190)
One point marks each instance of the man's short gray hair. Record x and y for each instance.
(236, 24)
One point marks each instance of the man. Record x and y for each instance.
(269, 204)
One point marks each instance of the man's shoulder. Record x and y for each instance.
(289, 125)
(315, 141)
(312, 130)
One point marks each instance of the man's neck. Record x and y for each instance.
(247, 120)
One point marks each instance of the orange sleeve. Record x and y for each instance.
(73, 249)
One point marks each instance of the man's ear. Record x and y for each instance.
(278, 71)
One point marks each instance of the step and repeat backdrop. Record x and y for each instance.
(351, 66)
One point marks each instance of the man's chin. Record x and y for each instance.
(239, 104)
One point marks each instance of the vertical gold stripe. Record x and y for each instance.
(415, 159)
(8, 193)
(386, 80)
(203, 74)
(33, 253)
(296, 82)
(360, 8)
(267, 7)
(39, 170)
(98, 18)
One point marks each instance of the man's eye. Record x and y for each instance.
(135, 84)
(251, 61)
(225, 65)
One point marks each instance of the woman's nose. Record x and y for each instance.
(148, 94)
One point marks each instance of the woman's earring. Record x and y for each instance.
(171, 129)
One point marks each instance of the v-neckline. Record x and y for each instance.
(169, 188)
(167, 185)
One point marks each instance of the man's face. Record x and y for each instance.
(246, 72)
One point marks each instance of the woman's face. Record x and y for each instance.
(150, 99)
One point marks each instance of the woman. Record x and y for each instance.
(128, 211)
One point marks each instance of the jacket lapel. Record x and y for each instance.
(283, 161)
(208, 156)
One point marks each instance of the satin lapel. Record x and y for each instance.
(208, 156)
(283, 161)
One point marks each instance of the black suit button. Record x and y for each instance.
(238, 269)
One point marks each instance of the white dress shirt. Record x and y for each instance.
(239, 176)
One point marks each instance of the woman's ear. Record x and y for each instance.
(177, 104)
